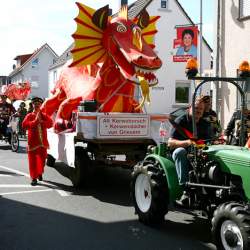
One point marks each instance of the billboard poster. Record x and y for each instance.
(186, 43)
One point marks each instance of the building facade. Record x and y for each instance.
(173, 90)
(232, 47)
(34, 68)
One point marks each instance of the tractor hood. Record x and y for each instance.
(231, 156)
(233, 160)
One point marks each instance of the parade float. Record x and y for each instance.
(98, 119)
(15, 92)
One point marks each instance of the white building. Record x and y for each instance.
(171, 75)
(232, 47)
(34, 68)
(172, 78)
(56, 68)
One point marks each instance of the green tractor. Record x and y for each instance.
(219, 184)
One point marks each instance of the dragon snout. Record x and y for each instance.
(157, 60)
(148, 62)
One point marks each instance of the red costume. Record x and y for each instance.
(37, 142)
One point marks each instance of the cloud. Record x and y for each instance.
(27, 25)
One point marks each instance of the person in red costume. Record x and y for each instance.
(36, 123)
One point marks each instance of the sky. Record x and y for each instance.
(25, 25)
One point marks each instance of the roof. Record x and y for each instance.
(36, 53)
(23, 58)
(63, 58)
(134, 10)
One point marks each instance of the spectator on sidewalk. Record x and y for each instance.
(37, 123)
(6, 110)
(21, 113)
(30, 108)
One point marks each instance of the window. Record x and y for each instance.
(182, 92)
(34, 63)
(244, 9)
(35, 81)
(164, 4)
(54, 76)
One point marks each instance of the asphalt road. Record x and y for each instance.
(54, 215)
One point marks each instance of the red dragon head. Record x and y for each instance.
(128, 42)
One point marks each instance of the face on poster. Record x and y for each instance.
(186, 43)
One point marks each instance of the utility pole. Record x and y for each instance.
(200, 45)
(201, 20)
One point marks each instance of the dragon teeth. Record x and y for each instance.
(144, 71)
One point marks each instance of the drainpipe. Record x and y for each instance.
(217, 58)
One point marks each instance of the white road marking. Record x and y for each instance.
(17, 186)
(62, 192)
(23, 192)
(15, 171)
(58, 190)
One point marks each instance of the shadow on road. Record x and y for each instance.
(103, 185)
(112, 185)
(5, 147)
(25, 226)
(189, 228)
(22, 150)
(9, 173)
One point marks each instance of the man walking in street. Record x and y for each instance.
(37, 123)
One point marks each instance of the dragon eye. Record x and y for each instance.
(121, 28)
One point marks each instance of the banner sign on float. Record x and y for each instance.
(123, 126)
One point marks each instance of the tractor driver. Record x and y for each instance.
(6, 110)
(180, 140)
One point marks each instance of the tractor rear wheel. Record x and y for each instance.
(149, 192)
(231, 227)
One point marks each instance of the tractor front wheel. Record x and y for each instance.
(149, 192)
(231, 227)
